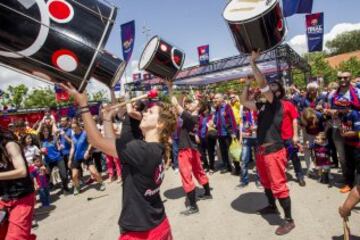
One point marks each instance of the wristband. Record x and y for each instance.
(265, 89)
(84, 110)
(87, 106)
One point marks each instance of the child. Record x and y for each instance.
(321, 153)
(38, 172)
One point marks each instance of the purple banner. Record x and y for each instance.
(204, 57)
(315, 31)
(128, 39)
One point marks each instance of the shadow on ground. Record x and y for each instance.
(250, 202)
(341, 237)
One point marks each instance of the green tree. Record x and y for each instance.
(98, 96)
(320, 67)
(17, 95)
(40, 98)
(345, 42)
(352, 65)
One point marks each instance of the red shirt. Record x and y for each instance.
(289, 114)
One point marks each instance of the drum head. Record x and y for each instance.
(149, 52)
(244, 10)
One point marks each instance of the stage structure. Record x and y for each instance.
(280, 63)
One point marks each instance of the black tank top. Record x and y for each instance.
(131, 128)
(16, 188)
(269, 122)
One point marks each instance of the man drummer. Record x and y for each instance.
(271, 158)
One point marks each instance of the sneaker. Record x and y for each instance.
(89, 181)
(345, 189)
(205, 196)
(34, 224)
(268, 210)
(242, 185)
(258, 185)
(191, 210)
(285, 227)
(119, 180)
(101, 187)
(76, 191)
(301, 182)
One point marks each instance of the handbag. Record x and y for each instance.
(235, 150)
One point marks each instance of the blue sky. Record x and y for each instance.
(191, 23)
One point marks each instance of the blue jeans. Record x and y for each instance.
(293, 156)
(175, 152)
(44, 196)
(248, 144)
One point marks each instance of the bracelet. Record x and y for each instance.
(265, 89)
(84, 110)
(87, 106)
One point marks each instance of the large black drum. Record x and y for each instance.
(161, 59)
(255, 24)
(59, 40)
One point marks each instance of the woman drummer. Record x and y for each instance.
(143, 213)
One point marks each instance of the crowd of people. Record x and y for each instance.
(274, 126)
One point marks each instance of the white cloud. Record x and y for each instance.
(299, 42)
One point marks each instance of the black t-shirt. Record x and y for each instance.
(130, 128)
(16, 188)
(187, 134)
(142, 173)
(269, 122)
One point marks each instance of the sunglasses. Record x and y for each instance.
(340, 78)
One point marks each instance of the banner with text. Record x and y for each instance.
(315, 31)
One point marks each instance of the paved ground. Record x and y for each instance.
(230, 215)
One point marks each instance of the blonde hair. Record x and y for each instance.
(168, 121)
(308, 115)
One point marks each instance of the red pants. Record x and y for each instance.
(18, 225)
(161, 232)
(189, 164)
(110, 162)
(271, 168)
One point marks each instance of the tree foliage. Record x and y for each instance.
(345, 42)
(352, 65)
(320, 67)
(17, 95)
(40, 98)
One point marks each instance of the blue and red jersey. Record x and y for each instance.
(224, 120)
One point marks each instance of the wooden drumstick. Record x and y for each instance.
(346, 229)
(152, 94)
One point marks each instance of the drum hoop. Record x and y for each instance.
(179, 69)
(107, 28)
(253, 18)
(153, 54)
(118, 74)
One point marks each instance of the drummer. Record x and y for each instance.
(271, 158)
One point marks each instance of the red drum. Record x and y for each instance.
(161, 59)
(59, 40)
(255, 24)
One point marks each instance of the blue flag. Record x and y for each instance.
(117, 87)
(315, 31)
(292, 7)
(128, 39)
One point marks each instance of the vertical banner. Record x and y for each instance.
(315, 31)
(147, 76)
(117, 87)
(128, 39)
(203, 52)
